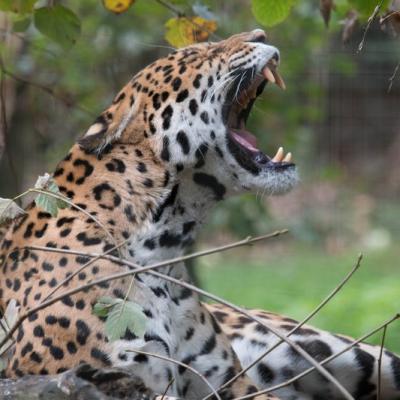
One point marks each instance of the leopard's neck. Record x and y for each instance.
(175, 222)
(136, 197)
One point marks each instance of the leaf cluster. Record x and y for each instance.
(46, 201)
(49, 200)
(121, 315)
(63, 26)
(57, 22)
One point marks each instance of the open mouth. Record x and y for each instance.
(248, 85)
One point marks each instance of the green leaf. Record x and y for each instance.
(21, 23)
(47, 202)
(9, 210)
(123, 316)
(367, 7)
(17, 6)
(103, 306)
(271, 12)
(59, 24)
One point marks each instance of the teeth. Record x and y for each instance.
(279, 80)
(288, 157)
(279, 155)
(268, 75)
(274, 77)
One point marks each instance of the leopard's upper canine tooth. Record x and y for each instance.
(279, 155)
(268, 75)
(288, 157)
(279, 80)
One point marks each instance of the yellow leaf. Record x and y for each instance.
(117, 6)
(184, 31)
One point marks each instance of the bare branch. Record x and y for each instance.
(299, 325)
(67, 102)
(84, 266)
(167, 388)
(332, 357)
(370, 20)
(73, 205)
(4, 127)
(378, 396)
(245, 242)
(181, 14)
(3, 114)
(390, 15)
(393, 77)
(138, 269)
(188, 367)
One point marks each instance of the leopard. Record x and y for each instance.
(141, 182)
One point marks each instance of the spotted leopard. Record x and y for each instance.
(172, 144)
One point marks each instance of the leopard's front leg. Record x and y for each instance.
(207, 349)
(180, 329)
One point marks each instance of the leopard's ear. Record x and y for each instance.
(95, 138)
(110, 125)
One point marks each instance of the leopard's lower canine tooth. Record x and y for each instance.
(279, 155)
(288, 157)
(268, 75)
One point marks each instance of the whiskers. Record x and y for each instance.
(223, 84)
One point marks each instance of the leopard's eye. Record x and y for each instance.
(261, 38)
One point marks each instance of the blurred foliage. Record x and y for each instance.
(61, 24)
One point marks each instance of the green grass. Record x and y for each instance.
(295, 281)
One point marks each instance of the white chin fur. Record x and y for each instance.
(277, 182)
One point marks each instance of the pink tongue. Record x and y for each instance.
(246, 139)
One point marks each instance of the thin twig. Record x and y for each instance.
(50, 91)
(84, 266)
(393, 77)
(170, 7)
(69, 202)
(3, 114)
(167, 388)
(4, 127)
(173, 361)
(378, 396)
(299, 325)
(245, 242)
(370, 20)
(138, 269)
(73, 205)
(6, 32)
(388, 16)
(181, 14)
(332, 357)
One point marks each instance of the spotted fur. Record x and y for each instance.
(149, 169)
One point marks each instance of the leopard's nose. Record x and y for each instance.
(276, 57)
